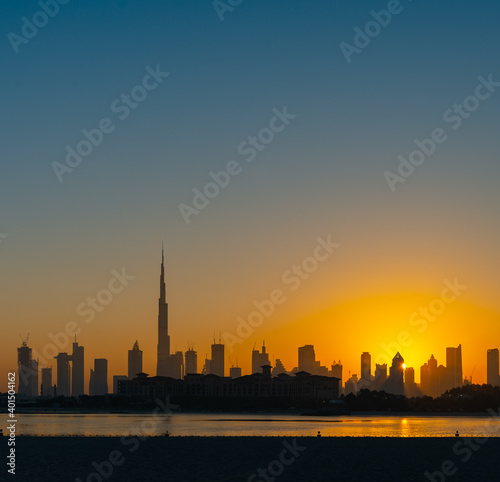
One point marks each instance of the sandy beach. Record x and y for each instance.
(240, 458)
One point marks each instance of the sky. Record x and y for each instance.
(344, 105)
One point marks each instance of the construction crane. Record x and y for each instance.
(25, 341)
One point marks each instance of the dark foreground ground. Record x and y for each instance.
(303, 459)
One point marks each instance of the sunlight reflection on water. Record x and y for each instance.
(248, 425)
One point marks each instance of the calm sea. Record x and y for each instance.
(255, 425)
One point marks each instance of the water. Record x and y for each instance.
(255, 425)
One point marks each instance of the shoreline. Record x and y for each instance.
(238, 458)
(263, 413)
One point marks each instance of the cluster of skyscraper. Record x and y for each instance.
(435, 379)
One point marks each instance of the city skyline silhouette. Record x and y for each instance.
(250, 240)
(396, 377)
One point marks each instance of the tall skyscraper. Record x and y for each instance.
(34, 378)
(380, 376)
(162, 367)
(24, 369)
(395, 382)
(217, 364)
(255, 361)
(47, 390)
(63, 374)
(191, 361)
(134, 361)
(259, 359)
(307, 359)
(176, 365)
(431, 382)
(454, 366)
(409, 376)
(91, 382)
(366, 366)
(493, 368)
(411, 389)
(100, 376)
(77, 370)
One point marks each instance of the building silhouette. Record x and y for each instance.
(259, 359)
(163, 347)
(493, 367)
(46, 388)
(286, 389)
(77, 370)
(235, 372)
(279, 368)
(351, 385)
(176, 365)
(63, 374)
(337, 369)
(207, 366)
(395, 383)
(217, 364)
(24, 369)
(411, 388)
(366, 372)
(454, 366)
(428, 373)
(307, 359)
(100, 377)
(380, 376)
(91, 382)
(116, 379)
(134, 361)
(366, 366)
(34, 378)
(409, 376)
(191, 361)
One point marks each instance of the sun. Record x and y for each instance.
(404, 366)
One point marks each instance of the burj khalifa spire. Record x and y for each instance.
(163, 338)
